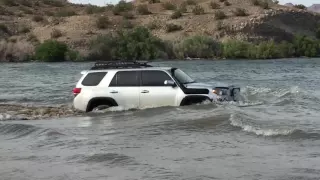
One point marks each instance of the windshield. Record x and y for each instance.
(182, 77)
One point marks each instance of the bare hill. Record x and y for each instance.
(23, 24)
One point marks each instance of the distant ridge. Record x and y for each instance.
(314, 8)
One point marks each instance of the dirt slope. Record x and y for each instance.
(23, 24)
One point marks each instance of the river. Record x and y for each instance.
(274, 134)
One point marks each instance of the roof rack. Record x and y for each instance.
(119, 65)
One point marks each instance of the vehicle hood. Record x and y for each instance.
(198, 85)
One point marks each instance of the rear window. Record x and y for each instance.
(93, 79)
(154, 78)
(125, 78)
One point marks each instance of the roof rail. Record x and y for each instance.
(119, 65)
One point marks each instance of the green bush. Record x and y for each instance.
(198, 10)
(300, 6)
(134, 44)
(23, 29)
(127, 24)
(176, 14)
(65, 13)
(92, 9)
(122, 6)
(4, 28)
(143, 9)
(262, 3)
(56, 3)
(255, 2)
(220, 15)
(51, 50)
(102, 22)
(26, 3)
(38, 18)
(240, 12)
(226, 3)
(73, 55)
(198, 47)
(222, 0)
(318, 33)
(191, 2)
(214, 5)
(183, 7)
(10, 3)
(153, 1)
(128, 15)
(173, 27)
(169, 6)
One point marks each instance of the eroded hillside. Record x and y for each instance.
(24, 24)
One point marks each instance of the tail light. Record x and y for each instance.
(76, 91)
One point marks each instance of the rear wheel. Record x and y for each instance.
(99, 104)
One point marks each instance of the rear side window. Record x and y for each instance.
(154, 78)
(93, 79)
(125, 78)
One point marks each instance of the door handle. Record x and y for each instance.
(145, 91)
(113, 91)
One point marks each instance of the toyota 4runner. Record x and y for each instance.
(140, 85)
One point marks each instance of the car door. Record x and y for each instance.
(124, 88)
(153, 91)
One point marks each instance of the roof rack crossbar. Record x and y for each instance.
(119, 64)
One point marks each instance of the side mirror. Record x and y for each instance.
(169, 83)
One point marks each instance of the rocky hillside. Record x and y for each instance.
(314, 8)
(24, 24)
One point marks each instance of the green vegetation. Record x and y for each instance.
(92, 9)
(134, 44)
(240, 12)
(262, 3)
(191, 2)
(102, 22)
(300, 6)
(214, 5)
(153, 1)
(51, 50)
(198, 10)
(318, 33)
(173, 27)
(227, 3)
(56, 3)
(220, 15)
(65, 13)
(175, 15)
(143, 9)
(121, 7)
(37, 18)
(9, 3)
(128, 15)
(169, 6)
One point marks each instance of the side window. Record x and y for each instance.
(125, 78)
(154, 78)
(93, 79)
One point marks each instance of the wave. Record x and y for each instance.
(236, 120)
(15, 131)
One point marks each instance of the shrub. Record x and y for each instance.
(137, 43)
(122, 6)
(10, 3)
(169, 6)
(239, 12)
(26, 3)
(153, 1)
(49, 13)
(176, 14)
(275, 1)
(4, 28)
(214, 5)
(26, 10)
(102, 22)
(91, 9)
(72, 55)
(23, 29)
(56, 33)
(219, 25)
(220, 15)
(65, 13)
(197, 10)
(173, 27)
(300, 6)
(143, 10)
(127, 24)
(183, 8)
(198, 47)
(51, 50)
(154, 25)
(38, 18)
(191, 2)
(226, 3)
(222, 0)
(56, 3)
(255, 2)
(318, 33)
(128, 15)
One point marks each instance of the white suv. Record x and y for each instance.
(139, 85)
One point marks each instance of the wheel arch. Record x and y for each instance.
(100, 101)
(193, 99)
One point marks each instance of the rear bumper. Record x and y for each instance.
(79, 103)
